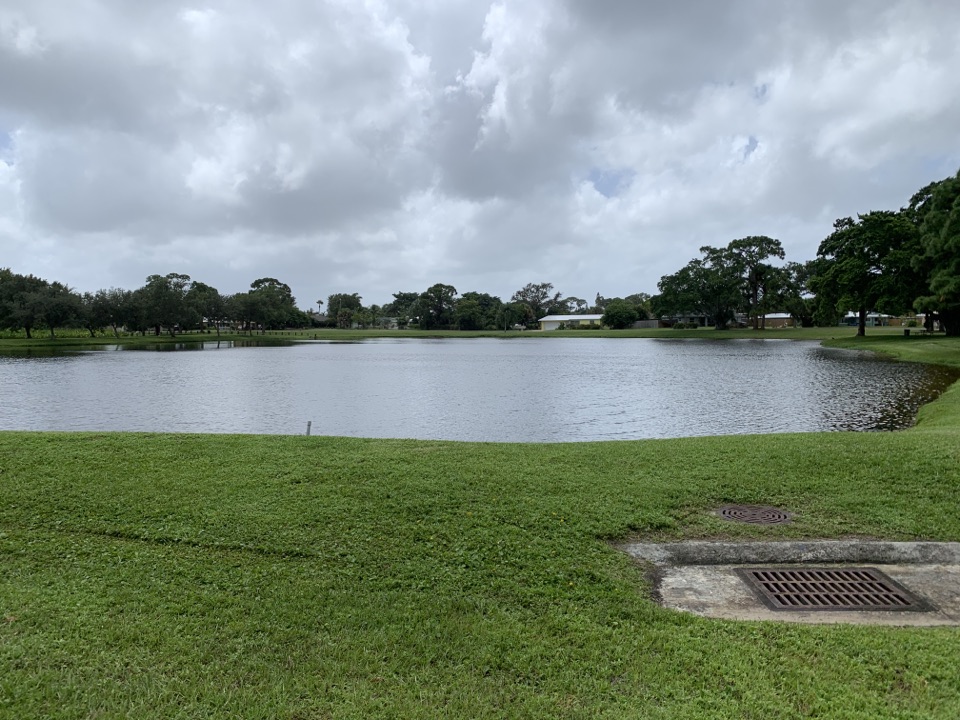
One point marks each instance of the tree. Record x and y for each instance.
(135, 311)
(477, 311)
(641, 303)
(514, 313)
(709, 286)
(937, 208)
(868, 264)
(793, 293)
(207, 302)
(575, 306)
(105, 308)
(51, 305)
(468, 315)
(748, 255)
(403, 307)
(61, 307)
(436, 306)
(165, 303)
(539, 297)
(20, 300)
(404, 303)
(342, 306)
(274, 306)
(345, 318)
(619, 314)
(364, 317)
(242, 309)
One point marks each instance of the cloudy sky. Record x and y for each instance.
(376, 146)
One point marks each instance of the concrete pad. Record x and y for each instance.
(700, 578)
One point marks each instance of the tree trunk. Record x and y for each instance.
(52, 336)
(862, 323)
(29, 336)
(950, 322)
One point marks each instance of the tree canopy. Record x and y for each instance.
(869, 264)
(619, 314)
(884, 261)
(937, 210)
(540, 298)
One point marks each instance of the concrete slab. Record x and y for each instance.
(700, 578)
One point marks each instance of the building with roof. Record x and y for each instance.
(558, 322)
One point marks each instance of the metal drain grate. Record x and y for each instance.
(755, 514)
(829, 589)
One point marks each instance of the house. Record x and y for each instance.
(852, 319)
(778, 320)
(689, 318)
(555, 322)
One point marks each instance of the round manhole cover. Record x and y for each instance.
(755, 514)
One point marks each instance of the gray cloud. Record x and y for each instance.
(384, 146)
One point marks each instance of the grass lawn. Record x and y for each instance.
(189, 576)
(707, 333)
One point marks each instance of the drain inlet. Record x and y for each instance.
(830, 589)
(754, 514)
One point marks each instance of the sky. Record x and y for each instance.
(376, 146)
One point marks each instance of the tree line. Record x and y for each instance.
(165, 303)
(883, 261)
(441, 307)
(175, 303)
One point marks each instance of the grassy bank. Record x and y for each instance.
(12, 341)
(708, 333)
(293, 577)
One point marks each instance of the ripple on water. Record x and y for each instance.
(530, 390)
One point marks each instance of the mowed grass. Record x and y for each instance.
(706, 333)
(188, 576)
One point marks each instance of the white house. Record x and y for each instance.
(553, 322)
(778, 320)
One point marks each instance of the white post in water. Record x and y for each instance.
(309, 423)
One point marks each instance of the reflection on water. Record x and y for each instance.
(520, 390)
(71, 350)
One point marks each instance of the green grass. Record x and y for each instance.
(187, 576)
(75, 338)
(826, 333)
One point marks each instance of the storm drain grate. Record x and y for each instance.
(756, 514)
(829, 589)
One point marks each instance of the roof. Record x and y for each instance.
(564, 318)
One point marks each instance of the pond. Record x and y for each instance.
(512, 390)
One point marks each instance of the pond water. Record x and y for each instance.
(519, 390)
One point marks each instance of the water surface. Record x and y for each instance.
(520, 390)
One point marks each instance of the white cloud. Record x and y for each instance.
(376, 146)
